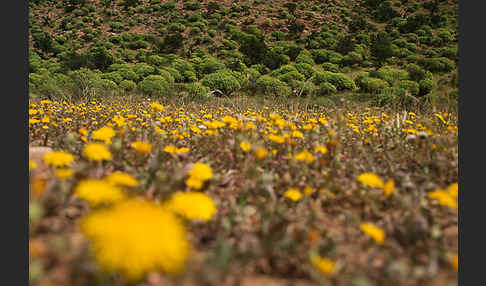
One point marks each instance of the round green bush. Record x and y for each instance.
(196, 89)
(330, 67)
(154, 85)
(416, 73)
(127, 85)
(267, 85)
(371, 84)
(439, 65)
(326, 88)
(223, 81)
(410, 86)
(389, 74)
(291, 78)
(339, 80)
(113, 76)
(426, 86)
(306, 69)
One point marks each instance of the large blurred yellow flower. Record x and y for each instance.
(141, 146)
(64, 173)
(293, 194)
(444, 198)
(96, 152)
(245, 146)
(371, 180)
(192, 205)
(373, 231)
(276, 138)
(98, 191)
(136, 237)
(261, 152)
(304, 156)
(104, 134)
(58, 158)
(325, 265)
(122, 179)
(201, 172)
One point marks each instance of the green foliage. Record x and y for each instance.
(390, 75)
(426, 86)
(325, 88)
(127, 85)
(381, 48)
(410, 86)
(154, 85)
(370, 84)
(83, 82)
(267, 85)
(196, 89)
(223, 80)
(439, 65)
(416, 73)
(305, 57)
(339, 80)
(116, 77)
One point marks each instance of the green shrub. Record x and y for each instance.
(440, 64)
(339, 80)
(223, 81)
(267, 85)
(371, 85)
(127, 85)
(209, 65)
(178, 77)
(275, 58)
(291, 78)
(305, 57)
(306, 69)
(186, 69)
(325, 88)
(83, 82)
(154, 85)
(391, 75)
(155, 60)
(449, 52)
(330, 67)
(143, 69)
(196, 89)
(426, 86)
(106, 86)
(116, 77)
(416, 73)
(410, 86)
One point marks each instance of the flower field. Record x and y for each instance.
(139, 192)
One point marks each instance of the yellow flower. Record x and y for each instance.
(276, 138)
(201, 172)
(194, 183)
(373, 231)
(83, 131)
(192, 205)
(308, 190)
(389, 187)
(444, 198)
(304, 156)
(261, 153)
(453, 190)
(64, 173)
(453, 260)
(320, 149)
(98, 191)
(157, 106)
(58, 158)
(293, 194)
(142, 147)
(96, 152)
(137, 237)
(325, 265)
(104, 134)
(32, 165)
(371, 180)
(171, 149)
(246, 146)
(122, 179)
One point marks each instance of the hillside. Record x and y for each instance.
(375, 50)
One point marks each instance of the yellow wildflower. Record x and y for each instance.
(453, 190)
(371, 180)
(104, 134)
(122, 179)
(192, 205)
(373, 231)
(98, 191)
(142, 146)
(304, 156)
(65, 173)
(58, 158)
(261, 152)
(444, 198)
(389, 187)
(127, 238)
(157, 106)
(201, 172)
(96, 152)
(293, 194)
(320, 149)
(246, 146)
(308, 190)
(325, 265)
(276, 138)
(32, 165)
(453, 260)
